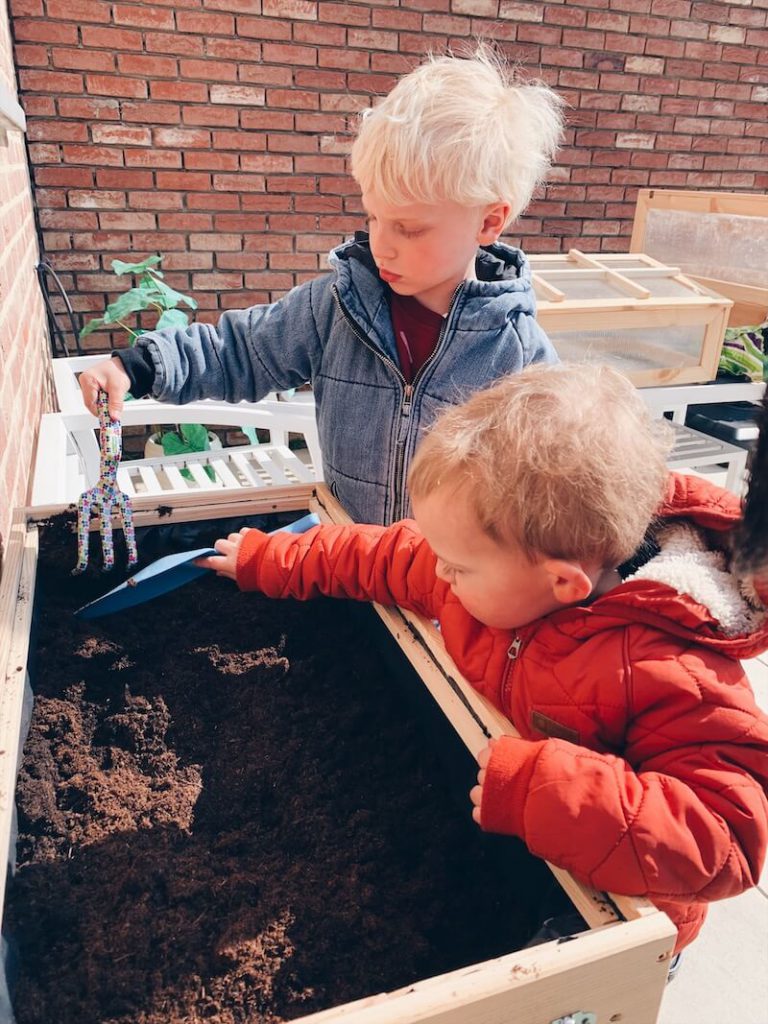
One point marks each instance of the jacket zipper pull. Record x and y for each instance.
(514, 648)
(407, 396)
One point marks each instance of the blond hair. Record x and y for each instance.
(562, 461)
(457, 129)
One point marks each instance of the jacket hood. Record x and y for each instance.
(501, 290)
(688, 588)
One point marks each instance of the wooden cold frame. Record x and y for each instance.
(616, 971)
(631, 305)
(714, 212)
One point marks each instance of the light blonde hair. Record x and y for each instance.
(458, 129)
(562, 461)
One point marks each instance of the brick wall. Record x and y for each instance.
(23, 347)
(215, 131)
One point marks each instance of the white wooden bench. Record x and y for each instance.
(68, 451)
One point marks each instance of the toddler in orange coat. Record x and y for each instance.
(591, 596)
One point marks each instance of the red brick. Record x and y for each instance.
(96, 199)
(208, 70)
(371, 39)
(207, 160)
(338, 58)
(149, 66)
(213, 201)
(247, 222)
(152, 113)
(270, 119)
(38, 106)
(153, 200)
(110, 38)
(182, 138)
(98, 155)
(210, 115)
(183, 180)
(294, 183)
(167, 42)
(239, 182)
(50, 81)
(267, 163)
(624, 44)
(74, 176)
(111, 85)
(242, 261)
(214, 242)
(81, 11)
(204, 23)
(217, 281)
(44, 32)
(184, 92)
(30, 56)
(298, 9)
(158, 241)
(521, 11)
(239, 94)
(666, 48)
(294, 98)
(66, 219)
(671, 8)
(282, 53)
(344, 14)
(185, 221)
(121, 135)
(266, 74)
(91, 109)
(57, 131)
(109, 178)
(143, 16)
(740, 54)
(255, 28)
(166, 158)
(592, 61)
(311, 79)
(51, 199)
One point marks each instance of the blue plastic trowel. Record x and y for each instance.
(164, 575)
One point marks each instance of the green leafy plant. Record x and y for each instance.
(150, 293)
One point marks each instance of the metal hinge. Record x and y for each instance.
(577, 1017)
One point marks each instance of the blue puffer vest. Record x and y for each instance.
(336, 332)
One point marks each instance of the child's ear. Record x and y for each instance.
(494, 220)
(569, 582)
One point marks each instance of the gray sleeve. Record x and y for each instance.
(247, 354)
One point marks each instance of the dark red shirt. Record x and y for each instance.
(416, 332)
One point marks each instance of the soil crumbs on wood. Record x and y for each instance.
(228, 813)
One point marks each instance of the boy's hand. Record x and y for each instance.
(476, 793)
(225, 563)
(110, 376)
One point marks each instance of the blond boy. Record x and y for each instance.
(415, 316)
(588, 595)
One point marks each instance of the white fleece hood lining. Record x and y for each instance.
(689, 566)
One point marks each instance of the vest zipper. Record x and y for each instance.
(399, 486)
(408, 391)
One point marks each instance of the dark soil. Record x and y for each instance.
(230, 811)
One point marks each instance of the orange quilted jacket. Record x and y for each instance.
(642, 766)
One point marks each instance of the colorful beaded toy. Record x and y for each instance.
(106, 497)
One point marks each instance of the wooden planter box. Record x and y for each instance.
(717, 238)
(629, 310)
(614, 972)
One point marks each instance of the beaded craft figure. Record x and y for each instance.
(106, 497)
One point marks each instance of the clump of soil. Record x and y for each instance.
(229, 811)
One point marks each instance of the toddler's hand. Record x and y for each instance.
(476, 793)
(225, 563)
(109, 375)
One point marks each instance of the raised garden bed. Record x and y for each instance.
(253, 825)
